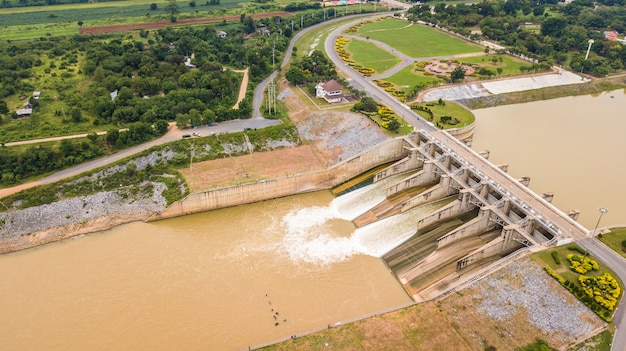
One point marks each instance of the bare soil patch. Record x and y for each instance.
(162, 24)
(252, 167)
(328, 138)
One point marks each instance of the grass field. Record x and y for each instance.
(405, 80)
(369, 55)
(450, 108)
(417, 41)
(614, 240)
(545, 258)
(510, 65)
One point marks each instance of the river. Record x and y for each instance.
(250, 275)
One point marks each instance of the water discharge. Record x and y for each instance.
(205, 282)
(309, 231)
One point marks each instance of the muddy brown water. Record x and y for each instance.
(572, 147)
(215, 281)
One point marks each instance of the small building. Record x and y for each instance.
(188, 62)
(263, 31)
(330, 91)
(611, 35)
(36, 95)
(221, 34)
(24, 112)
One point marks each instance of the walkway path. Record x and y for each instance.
(243, 88)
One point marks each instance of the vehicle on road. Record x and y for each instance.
(185, 136)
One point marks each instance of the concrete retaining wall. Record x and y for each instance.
(385, 152)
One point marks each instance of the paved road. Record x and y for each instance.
(174, 133)
(543, 210)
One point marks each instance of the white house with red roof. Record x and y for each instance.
(330, 91)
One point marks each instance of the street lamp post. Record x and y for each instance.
(602, 210)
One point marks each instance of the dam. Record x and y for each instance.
(487, 216)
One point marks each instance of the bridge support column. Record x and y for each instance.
(480, 224)
(501, 246)
(426, 176)
(412, 162)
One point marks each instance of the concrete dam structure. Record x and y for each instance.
(483, 223)
(487, 216)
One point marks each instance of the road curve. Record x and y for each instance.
(578, 232)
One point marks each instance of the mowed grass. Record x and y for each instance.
(383, 24)
(614, 240)
(417, 41)
(369, 55)
(405, 79)
(466, 117)
(510, 65)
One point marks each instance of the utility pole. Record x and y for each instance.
(292, 25)
(301, 21)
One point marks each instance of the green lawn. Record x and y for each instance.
(369, 55)
(563, 269)
(614, 240)
(418, 41)
(405, 80)
(373, 26)
(450, 108)
(510, 65)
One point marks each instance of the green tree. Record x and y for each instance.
(394, 125)
(160, 127)
(172, 9)
(4, 108)
(76, 114)
(153, 7)
(457, 75)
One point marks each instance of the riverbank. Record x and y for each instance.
(547, 93)
(31, 227)
(328, 137)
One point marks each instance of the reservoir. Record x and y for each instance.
(572, 147)
(250, 275)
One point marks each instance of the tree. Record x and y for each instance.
(369, 104)
(172, 8)
(160, 127)
(457, 75)
(76, 114)
(4, 109)
(80, 23)
(153, 7)
(93, 137)
(394, 125)
(112, 136)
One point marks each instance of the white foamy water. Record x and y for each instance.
(357, 202)
(380, 237)
(310, 237)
